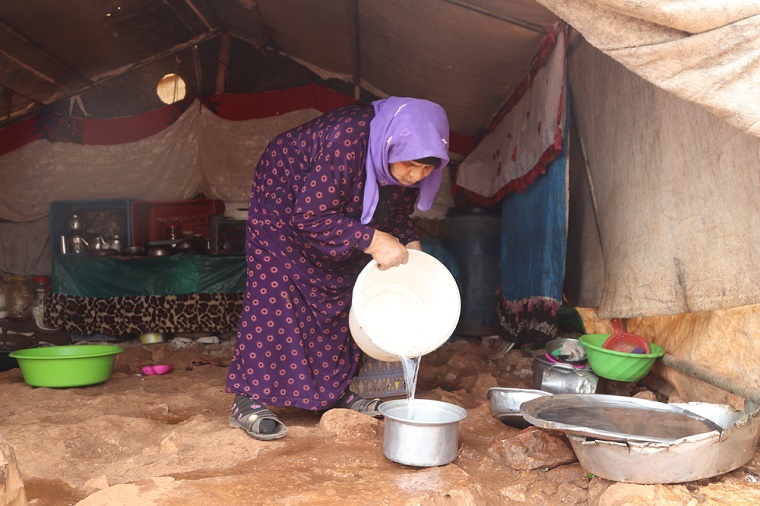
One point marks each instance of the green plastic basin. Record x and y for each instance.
(66, 366)
(618, 365)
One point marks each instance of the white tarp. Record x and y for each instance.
(675, 184)
(704, 51)
(676, 193)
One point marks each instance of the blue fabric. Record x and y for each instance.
(534, 237)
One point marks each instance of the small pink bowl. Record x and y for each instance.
(150, 370)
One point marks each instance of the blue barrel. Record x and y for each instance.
(473, 236)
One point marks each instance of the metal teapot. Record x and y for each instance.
(97, 243)
(116, 243)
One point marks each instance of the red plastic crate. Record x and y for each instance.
(151, 218)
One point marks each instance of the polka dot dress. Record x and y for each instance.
(304, 251)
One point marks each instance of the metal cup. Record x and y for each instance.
(63, 245)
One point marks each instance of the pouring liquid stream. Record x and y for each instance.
(411, 367)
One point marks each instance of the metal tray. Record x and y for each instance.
(615, 418)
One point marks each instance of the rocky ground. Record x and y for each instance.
(150, 440)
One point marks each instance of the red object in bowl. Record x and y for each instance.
(625, 341)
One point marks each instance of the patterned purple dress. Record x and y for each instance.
(304, 252)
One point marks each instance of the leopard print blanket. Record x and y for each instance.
(198, 312)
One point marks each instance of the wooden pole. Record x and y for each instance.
(744, 391)
(224, 61)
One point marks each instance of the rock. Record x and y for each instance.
(524, 367)
(534, 448)
(146, 492)
(624, 494)
(94, 484)
(351, 427)
(12, 491)
(646, 395)
(733, 493)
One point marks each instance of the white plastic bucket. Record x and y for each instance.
(405, 311)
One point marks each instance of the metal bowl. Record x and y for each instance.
(506, 402)
(133, 250)
(687, 459)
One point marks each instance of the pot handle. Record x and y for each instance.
(564, 369)
(617, 325)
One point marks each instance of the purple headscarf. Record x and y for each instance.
(405, 129)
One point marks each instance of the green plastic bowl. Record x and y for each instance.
(618, 365)
(66, 366)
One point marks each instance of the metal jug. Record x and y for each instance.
(562, 378)
(78, 245)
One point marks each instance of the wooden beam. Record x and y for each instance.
(222, 72)
(353, 19)
(33, 70)
(107, 76)
(198, 13)
(5, 27)
(111, 74)
(513, 21)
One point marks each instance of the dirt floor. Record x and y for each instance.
(144, 440)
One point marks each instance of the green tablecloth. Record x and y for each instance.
(119, 296)
(181, 274)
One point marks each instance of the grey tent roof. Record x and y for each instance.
(465, 54)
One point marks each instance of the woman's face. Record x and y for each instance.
(408, 173)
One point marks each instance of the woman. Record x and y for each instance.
(326, 196)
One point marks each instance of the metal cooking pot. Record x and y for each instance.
(159, 251)
(133, 250)
(561, 378)
(429, 438)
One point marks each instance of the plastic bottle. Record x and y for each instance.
(3, 312)
(41, 287)
(19, 298)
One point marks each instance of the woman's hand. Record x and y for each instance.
(415, 245)
(387, 251)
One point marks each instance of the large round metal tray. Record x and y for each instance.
(615, 418)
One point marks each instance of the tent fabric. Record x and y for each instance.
(533, 246)
(703, 51)
(674, 223)
(208, 145)
(525, 135)
(205, 146)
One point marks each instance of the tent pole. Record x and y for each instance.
(513, 21)
(222, 72)
(353, 15)
(716, 380)
(575, 127)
